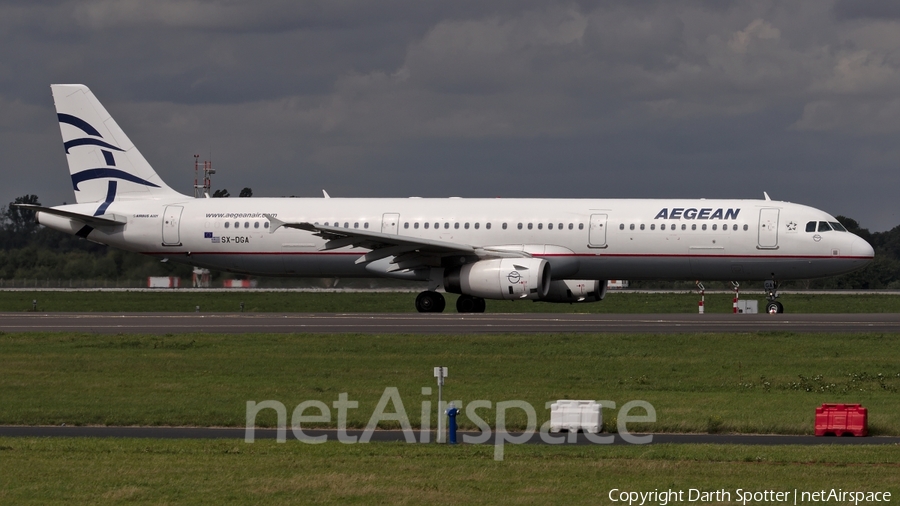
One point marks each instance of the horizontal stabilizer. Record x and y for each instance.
(105, 220)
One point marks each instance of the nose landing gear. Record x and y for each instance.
(772, 306)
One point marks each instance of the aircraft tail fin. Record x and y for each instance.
(103, 163)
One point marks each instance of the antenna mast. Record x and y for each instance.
(202, 190)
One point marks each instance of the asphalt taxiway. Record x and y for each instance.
(308, 435)
(369, 323)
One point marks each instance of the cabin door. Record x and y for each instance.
(597, 233)
(768, 228)
(171, 225)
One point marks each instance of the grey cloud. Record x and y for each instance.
(866, 9)
(636, 99)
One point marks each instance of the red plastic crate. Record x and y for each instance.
(842, 420)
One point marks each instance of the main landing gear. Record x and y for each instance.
(433, 302)
(430, 302)
(772, 306)
(469, 304)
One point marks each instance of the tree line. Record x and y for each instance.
(29, 251)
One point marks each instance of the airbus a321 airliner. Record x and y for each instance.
(551, 250)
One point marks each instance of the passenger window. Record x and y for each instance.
(811, 226)
(476, 225)
(581, 226)
(237, 224)
(255, 224)
(734, 227)
(683, 226)
(227, 224)
(642, 226)
(549, 226)
(714, 226)
(416, 225)
(631, 227)
(530, 226)
(487, 226)
(837, 226)
(356, 225)
(653, 226)
(366, 225)
(693, 226)
(266, 225)
(520, 226)
(540, 226)
(504, 226)
(560, 226)
(746, 227)
(824, 226)
(456, 225)
(662, 227)
(405, 225)
(466, 226)
(427, 224)
(704, 226)
(621, 226)
(571, 226)
(437, 225)
(446, 225)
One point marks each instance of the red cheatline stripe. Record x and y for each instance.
(623, 255)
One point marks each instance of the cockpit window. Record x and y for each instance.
(811, 226)
(837, 226)
(824, 226)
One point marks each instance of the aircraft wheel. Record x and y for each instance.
(466, 304)
(774, 307)
(479, 305)
(430, 302)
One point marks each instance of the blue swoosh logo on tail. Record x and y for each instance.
(78, 123)
(87, 175)
(86, 141)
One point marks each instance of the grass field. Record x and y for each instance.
(752, 383)
(329, 302)
(84, 471)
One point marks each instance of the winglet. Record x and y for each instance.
(766, 195)
(275, 223)
(325, 194)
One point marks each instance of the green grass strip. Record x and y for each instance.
(92, 471)
(750, 383)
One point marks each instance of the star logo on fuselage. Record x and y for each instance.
(791, 226)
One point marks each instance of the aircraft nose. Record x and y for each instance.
(861, 248)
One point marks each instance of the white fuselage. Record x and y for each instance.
(668, 239)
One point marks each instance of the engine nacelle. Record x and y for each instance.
(576, 290)
(503, 278)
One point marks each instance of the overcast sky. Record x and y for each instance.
(638, 99)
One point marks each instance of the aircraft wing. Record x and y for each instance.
(104, 220)
(408, 252)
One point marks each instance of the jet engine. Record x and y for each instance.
(502, 278)
(576, 290)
